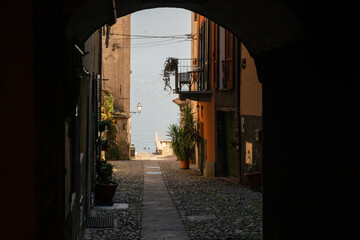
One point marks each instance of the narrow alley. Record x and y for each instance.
(275, 90)
(158, 200)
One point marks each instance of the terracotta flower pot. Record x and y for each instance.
(105, 192)
(253, 180)
(184, 164)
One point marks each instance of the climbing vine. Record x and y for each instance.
(113, 152)
(108, 101)
(107, 113)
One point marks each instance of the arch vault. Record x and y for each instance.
(307, 60)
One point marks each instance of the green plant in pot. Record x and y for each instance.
(252, 176)
(105, 188)
(184, 137)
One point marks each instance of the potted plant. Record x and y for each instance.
(184, 137)
(105, 188)
(177, 138)
(252, 176)
(168, 71)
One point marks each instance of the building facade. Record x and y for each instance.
(81, 135)
(116, 76)
(221, 83)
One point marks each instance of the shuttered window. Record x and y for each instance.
(204, 55)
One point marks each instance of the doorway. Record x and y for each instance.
(228, 164)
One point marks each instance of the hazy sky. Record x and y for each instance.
(147, 60)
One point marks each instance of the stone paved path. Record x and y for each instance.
(160, 219)
(151, 199)
(127, 220)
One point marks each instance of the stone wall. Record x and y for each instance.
(116, 74)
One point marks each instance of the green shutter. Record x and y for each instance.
(201, 56)
(206, 55)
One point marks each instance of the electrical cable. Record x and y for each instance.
(135, 36)
(152, 42)
(154, 45)
(169, 39)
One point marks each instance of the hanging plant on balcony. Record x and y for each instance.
(168, 71)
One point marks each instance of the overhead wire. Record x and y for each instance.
(154, 45)
(135, 36)
(169, 39)
(145, 43)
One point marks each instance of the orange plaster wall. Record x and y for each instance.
(208, 118)
(208, 108)
(250, 88)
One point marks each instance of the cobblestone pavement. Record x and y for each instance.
(211, 208)
(130, 178)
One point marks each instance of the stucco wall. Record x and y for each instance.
(250, 87)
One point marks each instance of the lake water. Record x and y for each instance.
(144, 140)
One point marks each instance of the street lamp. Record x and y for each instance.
(139, 107)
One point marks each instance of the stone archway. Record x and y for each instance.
(260, 25)
(309, 118)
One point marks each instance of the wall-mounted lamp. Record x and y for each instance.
(197, 107)
(139, 107)
(243, 63)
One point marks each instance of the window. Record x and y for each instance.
(226, 56)
(204, 55)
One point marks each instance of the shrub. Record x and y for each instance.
(113, 152)
(185, 136)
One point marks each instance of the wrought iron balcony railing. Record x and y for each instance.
(188, 75)
(190, 82)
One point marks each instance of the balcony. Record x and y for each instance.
(190, 80)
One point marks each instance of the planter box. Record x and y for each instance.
(105, 192)
(184, 164)
(253, 180)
